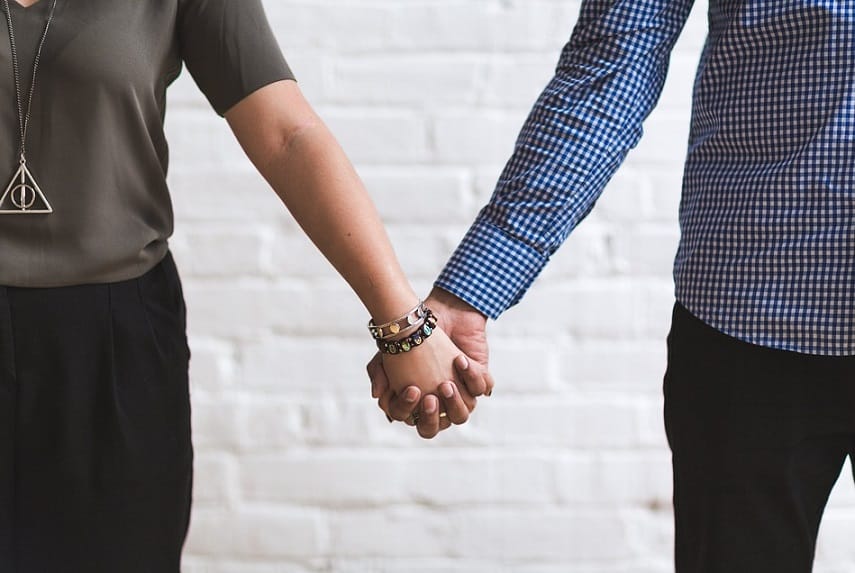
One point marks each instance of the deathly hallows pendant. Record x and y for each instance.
(23, 196)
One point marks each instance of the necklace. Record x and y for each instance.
(23, 195)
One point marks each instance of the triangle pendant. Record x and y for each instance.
(23, 195)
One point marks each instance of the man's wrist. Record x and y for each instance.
(454, 303)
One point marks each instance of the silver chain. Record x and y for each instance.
(24, 120)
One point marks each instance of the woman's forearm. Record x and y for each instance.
(300, 158)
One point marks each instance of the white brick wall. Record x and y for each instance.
(566, 468)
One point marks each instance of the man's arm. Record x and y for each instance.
(608, 79)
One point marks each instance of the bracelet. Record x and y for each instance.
(393, 327)
(406, 344)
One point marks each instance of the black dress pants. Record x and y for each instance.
(95, 453)
(758, 437)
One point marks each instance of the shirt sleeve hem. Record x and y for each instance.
(490, 269)
(222, 108)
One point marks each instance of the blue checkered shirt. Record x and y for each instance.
(767, 252)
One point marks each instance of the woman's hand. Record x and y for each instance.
(427, 373)
(466, 327)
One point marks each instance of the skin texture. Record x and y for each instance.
(304, 164)
(467, 329)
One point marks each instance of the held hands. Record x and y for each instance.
(436, 385)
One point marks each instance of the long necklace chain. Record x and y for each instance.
(24, 119)
(23, 195)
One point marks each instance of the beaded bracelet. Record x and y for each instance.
(408, 343)
(394, 327)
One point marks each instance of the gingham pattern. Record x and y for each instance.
(767, 253)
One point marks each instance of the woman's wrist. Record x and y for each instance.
(414, 336)
(389, 302)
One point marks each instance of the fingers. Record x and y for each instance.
(457, 412)
(429, 419)
(401, 406)
(491, 383)
(379, 381)
(476, 378)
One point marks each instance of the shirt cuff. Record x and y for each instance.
(490, 269)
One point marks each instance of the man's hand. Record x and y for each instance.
(466, 327)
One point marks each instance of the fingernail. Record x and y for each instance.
(388, 417)
(430, 404)
(373, 390)
(412, 394)
(488, 393)
(463, 363)
(447, 390)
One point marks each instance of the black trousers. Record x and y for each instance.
(758, 437)
(95, 453)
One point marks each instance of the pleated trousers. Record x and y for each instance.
(95, 449)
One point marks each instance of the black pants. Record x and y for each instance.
(759, 437)
(95, 454)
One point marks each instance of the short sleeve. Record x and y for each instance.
(229, 49)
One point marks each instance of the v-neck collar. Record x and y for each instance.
(15, 6)
(22, 7)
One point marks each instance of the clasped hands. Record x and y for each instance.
(438, 384)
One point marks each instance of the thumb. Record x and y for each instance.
(377, 374)
(473, 375)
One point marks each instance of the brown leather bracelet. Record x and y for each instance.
(394, 327)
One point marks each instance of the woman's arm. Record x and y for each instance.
(295, 152)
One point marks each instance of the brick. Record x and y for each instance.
(407, 79)
(200, 139)
(625, 198)
(834, 545)
(600, 479)
(199, 565)
(560, 421)
(523, 366)
(270, 424)
(405, 533)
(338, 478)
(615, 365)
(242, 309)
(229, 251)
(587, 253)
(211, 365)
(372, 137)
(475, 136)
(492, 25)
(256, 533)
(594, 308)
(214, 480)
(647, 250)
(216, 423)
(544, 534)
(516, 81)
(346, 26)
(287, 365)
(225, 194)
(419, 195)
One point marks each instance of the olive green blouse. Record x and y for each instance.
(96, 144)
